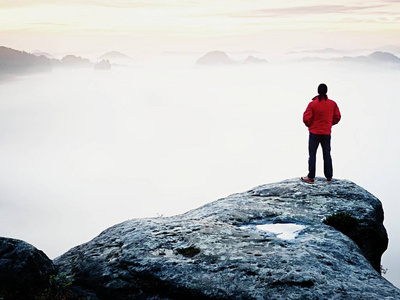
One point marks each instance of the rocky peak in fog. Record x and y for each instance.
(215, 58)
(384, 57)
(114, 55)
(221, 58)
(254, 60)
(229, 249)
(75, 61)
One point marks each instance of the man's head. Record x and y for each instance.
(322, 89)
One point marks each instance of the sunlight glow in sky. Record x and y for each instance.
(196, 25)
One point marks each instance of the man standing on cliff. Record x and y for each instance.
(321, 114)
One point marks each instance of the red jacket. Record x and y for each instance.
(321, 115)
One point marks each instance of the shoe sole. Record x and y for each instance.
(307, 181)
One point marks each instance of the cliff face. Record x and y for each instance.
(223, 251)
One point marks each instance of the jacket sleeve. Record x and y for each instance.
(308, 116)
(336, 115)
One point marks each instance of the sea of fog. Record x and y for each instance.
(81, 150)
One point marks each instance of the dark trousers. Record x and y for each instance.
(313, 143)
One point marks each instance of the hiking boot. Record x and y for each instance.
(329, 180)
(307, 180)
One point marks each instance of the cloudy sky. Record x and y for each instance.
(177, 25)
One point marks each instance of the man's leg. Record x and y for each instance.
(326, 151)
(313, 142)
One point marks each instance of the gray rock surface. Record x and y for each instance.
(218, 252)
(24, 270)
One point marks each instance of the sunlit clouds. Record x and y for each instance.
(168, 25)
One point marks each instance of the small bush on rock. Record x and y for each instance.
(58, 290)
(344, 222)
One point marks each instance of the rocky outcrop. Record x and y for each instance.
(235, 248)
(24, 270)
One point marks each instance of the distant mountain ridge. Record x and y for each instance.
(14, 61)
(388, 48)
(221, 58)
(377, 57)
(334, 51)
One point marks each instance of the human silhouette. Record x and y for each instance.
(321, 114)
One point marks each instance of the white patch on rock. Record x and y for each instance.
(284, 231)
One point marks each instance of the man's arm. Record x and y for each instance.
(308, 116)
(336, 115)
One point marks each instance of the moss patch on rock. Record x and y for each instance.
(344, 222)
(188, 251)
